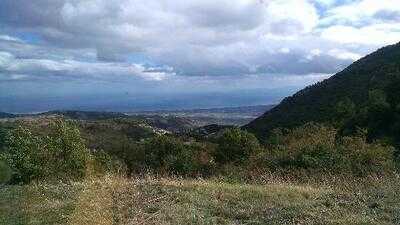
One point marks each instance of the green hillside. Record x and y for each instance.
(376, 76)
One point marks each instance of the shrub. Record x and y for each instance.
(165, 154)
(59, 155)
(308, 147)
(236, 146)
(364, 158)
(314, 147)
(102, 163)
(25, 155)
(128, 151)
(169, 155)
(5, 173)
(3, 134)
(67, 148)
(203, 162)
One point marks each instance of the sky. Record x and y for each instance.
(133, 54)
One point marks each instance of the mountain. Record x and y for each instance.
(376, 76)
(86, 115)
(237, 116)
(6, 115)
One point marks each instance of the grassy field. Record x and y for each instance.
(113, 200)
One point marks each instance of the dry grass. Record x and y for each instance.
(116, 200)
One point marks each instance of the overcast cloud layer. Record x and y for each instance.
(154, 47)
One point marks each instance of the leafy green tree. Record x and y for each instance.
(166, 154)
(59, 155)
(3, 134)
(25, 155)
(377, 101)
(236, 145)
(68, 150)
(5, 172)
(345, 110)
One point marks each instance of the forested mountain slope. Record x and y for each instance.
(345, 98)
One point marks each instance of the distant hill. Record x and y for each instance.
(238, 109)
(176, 121)
(354, 88)
(172, 124)
(236, 116)
(7, 115)
(86, 115)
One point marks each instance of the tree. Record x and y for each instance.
(345, 110)
(25, 155)
(166, 154)
(5, 172)
(236, 145)
(67, 148)
(3, 134)
(60, 155)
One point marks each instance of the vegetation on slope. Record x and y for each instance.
(377, 73)
(33, 152)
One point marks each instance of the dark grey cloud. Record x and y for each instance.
(31, 14)
(246, 16)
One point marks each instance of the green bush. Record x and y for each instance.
(314, 147)
(366, 158)
(127, 151)
(165, 154)
(311, 146)
(59, 155)
(236, 146)
(3, 134)
(25, 155)
(203, 162)
(103, 163)
(169, 155)
(5, 173)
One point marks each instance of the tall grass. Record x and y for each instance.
(150, 200)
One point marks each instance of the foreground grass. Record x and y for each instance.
(113, 200)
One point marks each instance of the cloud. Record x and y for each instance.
(9, 38)
(43, 69)
(366, 22)
(343, 54)
(157, 45)
(377, 34)
(195, 37)
(360, 12)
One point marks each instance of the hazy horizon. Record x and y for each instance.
(129, 103)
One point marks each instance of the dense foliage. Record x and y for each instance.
(236, 146)
(380, 115)
(58, 150)
(165, 154)
(348, 94)
(59, 155)
(316, 148)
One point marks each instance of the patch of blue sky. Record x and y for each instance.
(139, 58)
(29, 37)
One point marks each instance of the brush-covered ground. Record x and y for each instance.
(116, 200)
